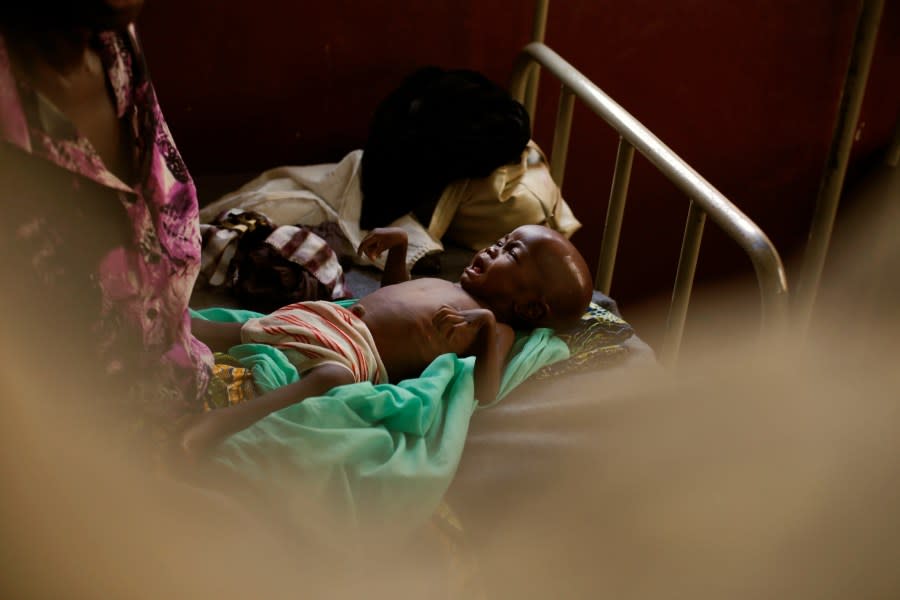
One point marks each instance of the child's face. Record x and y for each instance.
(510, 270)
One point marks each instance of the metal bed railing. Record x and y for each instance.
(831, 186)
(704, 198)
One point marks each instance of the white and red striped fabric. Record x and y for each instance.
(303, 247)
(316, 333)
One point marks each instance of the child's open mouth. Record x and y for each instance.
(477, 266)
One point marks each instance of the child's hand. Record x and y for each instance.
(452, 323)
(380, 240)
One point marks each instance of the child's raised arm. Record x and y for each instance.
(394, 240)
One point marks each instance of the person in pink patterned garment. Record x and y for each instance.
(100, 234)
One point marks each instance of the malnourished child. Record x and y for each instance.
(532, 277)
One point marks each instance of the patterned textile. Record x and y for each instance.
(269, 266)
(595, 343)
(230, 384)
(301, 246)
(316, 333)
(220, 243)
(107, 265)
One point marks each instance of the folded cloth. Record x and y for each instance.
(317, 194)
(362, 457)
(268, 266)
(476, 212)
(471, 212)
(303, 247)
(230, 384)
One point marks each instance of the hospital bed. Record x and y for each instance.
(515, 447)
(511, 448)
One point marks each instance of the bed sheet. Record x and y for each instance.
(512, 448)
(515, 448)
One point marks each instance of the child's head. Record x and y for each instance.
(531, 277)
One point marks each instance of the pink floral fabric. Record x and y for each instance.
(116, 259)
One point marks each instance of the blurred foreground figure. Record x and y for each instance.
(760, 472)
(757, 471)
(100, 239)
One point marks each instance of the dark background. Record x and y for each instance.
(746, 92)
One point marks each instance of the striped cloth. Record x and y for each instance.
(316, 333)
(303, 247)
(222, 245)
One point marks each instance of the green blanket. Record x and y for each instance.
(374, 456)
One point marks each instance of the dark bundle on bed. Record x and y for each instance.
(265, 266)
(437, 127)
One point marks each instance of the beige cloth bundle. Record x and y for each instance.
(476, 212)
(471, 212)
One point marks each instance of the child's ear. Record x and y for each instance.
(532, 311)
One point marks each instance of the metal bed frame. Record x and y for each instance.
(704, 198)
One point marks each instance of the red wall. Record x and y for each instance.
(746, 92)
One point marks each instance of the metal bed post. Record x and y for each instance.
(705, 199)
(615, 213)
(893, 154)
(836, 166)
(560, 149)
(539, 29)
(684, 283)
